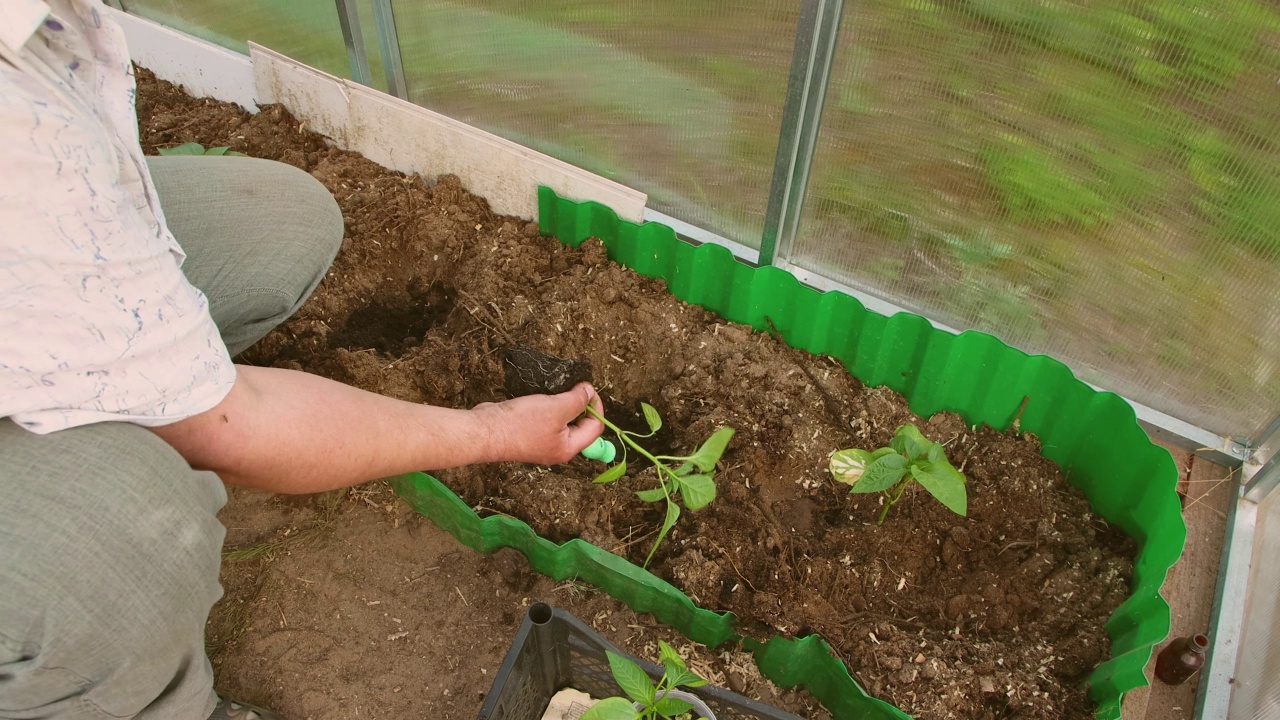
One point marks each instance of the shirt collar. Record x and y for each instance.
(19, 20)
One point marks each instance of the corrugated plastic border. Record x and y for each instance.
(1093, 435)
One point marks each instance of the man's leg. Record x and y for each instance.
(259, 236)
(109, 556)
(109, 542)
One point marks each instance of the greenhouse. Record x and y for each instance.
(937, 340)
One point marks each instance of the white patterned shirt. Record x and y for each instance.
(97, 321)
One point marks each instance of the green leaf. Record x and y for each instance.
(938, 453)
(652, 417)
(678, 673)
(611, 474)
(614, 708)
(217, 150)
(633, 681)
(684, 469)
(709, 454)
(669, 707)
(673, 514)
(670, 657)
(882, 474)
(690, 680)
(943, 482)
(697, 490)
(650, 496)
(190, 148)
(908, 441)
(674, 664)
(882, 452)
(847, 466)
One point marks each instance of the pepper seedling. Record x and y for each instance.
(910, 456)
(192, 148)
(693, 480)
(652, 700)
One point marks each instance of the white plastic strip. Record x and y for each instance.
(404, 137)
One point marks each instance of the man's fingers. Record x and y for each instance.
(593, 398)
(586, 430)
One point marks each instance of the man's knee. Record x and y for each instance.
(259, 235)
(110, 548)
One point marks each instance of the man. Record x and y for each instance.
(126, 285)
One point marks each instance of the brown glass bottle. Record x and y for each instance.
(1180, 659)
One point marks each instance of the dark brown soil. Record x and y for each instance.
(996, 615)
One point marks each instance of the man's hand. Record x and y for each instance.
(543, 429)
(292, 432)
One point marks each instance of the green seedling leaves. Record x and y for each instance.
(651, 417)
(848, 466)
(709, 454)
(673, 514)
(645, 700)
(611, 474)
(697, 490)
(193, 148)
(678, 673)
(651, 496)
(910, 442)
(190, 148)
(614, 708)
(910, 457)
(669, 707)
(633, 680)
(882, 473)
(670, 658)
(943, 482)
(691, 482)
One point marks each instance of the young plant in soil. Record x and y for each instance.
(652, 699)
(192, 148)
(693, 479)
(910, 457)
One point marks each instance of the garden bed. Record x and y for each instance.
(1000, 614)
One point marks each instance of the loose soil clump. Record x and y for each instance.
(996, 615)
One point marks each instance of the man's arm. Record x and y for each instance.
(292, 432)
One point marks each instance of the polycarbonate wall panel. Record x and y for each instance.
(681, 100)
(1098, 180)
(305, 30)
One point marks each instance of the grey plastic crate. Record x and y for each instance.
(554, 650)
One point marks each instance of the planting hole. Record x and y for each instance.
(390, 325)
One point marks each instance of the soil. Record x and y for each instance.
(357, 607)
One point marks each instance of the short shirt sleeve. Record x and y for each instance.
(97, 321)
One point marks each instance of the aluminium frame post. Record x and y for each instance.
(384, 18)
(815, 49)
(1267, 477)
(1213, 696)
(1264, 482)
(353, 38)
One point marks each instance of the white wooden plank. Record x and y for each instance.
(202, 68)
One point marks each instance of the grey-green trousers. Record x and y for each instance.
(109, 544)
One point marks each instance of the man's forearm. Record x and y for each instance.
(293, 432)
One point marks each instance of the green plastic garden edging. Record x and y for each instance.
(1093, 435)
